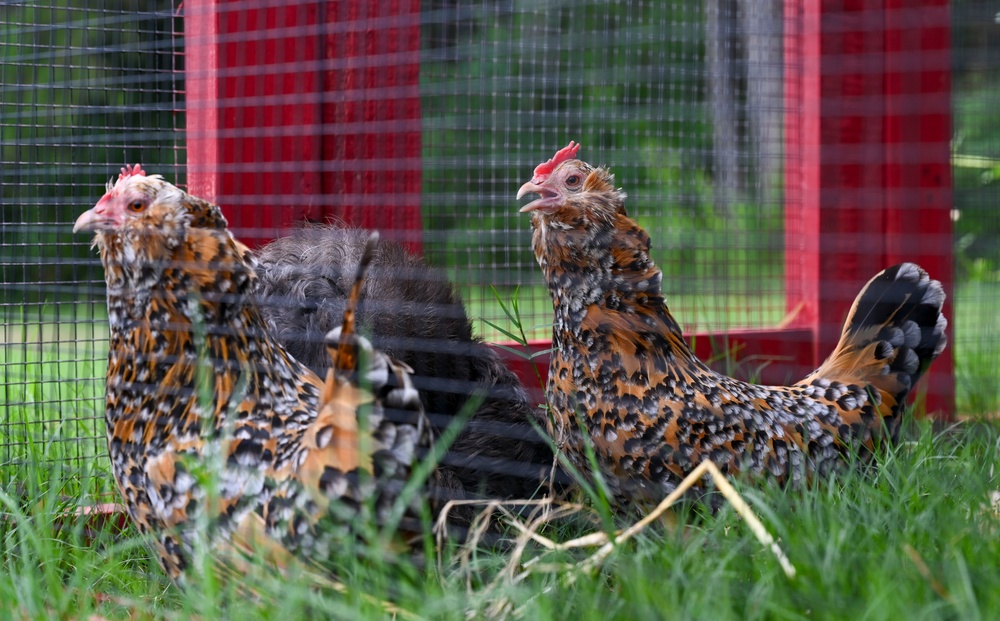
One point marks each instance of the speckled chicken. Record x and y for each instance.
(622, 372)
(213, 427)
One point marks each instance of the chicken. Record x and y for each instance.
(212, 426)
(414, 314)
(623, 379)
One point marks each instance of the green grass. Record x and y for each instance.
(913, 536)
(977, 348)
(52, 394)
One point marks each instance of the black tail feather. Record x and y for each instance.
(902, 305)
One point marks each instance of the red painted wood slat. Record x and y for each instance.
(868, 180)
(371, 116)
(918, 197)
(306, 111)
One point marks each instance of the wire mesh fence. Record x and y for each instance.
(85, 85)
(638, 85)
(976, 145)
(423, 119)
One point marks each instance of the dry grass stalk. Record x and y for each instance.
(548, 510)
(925, 571)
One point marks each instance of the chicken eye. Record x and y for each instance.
(573, 180)
(136, 206)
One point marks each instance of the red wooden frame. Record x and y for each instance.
(284, 99)
(867, 170)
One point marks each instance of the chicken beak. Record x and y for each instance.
(528, 188)
(545, 202)
(96, 218)
(86, 222)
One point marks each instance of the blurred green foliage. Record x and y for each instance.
(976, 139)
(976, 169)
(506, 83)
(84, 87)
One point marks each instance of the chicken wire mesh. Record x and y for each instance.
(84, 86)
(683, 100)
(976, 169)
(638, 84)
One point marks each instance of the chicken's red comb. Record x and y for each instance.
(543, 170)
(132, 171)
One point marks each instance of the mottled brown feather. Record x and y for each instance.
(652, 411)
(198, 388)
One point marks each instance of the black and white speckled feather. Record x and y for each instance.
(198, 390)
(623, 374)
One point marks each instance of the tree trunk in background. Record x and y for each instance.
(761, 23)
(720, 26)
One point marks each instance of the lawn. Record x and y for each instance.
(916, 535)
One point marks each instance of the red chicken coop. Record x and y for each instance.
(779, 154)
